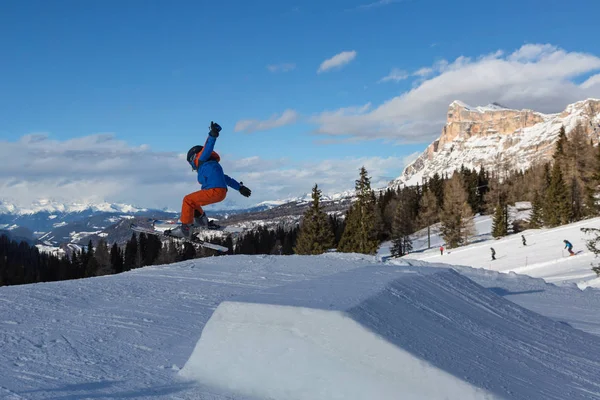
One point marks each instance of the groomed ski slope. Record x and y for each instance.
(544, 255)
(476, 331)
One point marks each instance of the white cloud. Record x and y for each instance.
(591, 82)
(425, 71)
(395, 75)
(337, 61)
(94, 168)
(532, 52)
(102, 168)
(378, 3)
(539, 77)
(285, 67)
(288, 117)
(332, 176)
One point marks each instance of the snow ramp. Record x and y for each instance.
(383, 332)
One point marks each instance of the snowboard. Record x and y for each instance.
(194, 240)
(212, 227)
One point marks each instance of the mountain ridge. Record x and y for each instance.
(495, 136)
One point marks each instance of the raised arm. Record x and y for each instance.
(209, 145)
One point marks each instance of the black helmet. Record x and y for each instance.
(192, 154)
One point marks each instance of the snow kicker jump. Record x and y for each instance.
(391, 332)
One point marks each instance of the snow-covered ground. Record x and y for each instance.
(126, 335)
(329, 326)
(544, 255)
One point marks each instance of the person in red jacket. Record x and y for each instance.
(214, 181)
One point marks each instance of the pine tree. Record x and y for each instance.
(362, 220)
(577, 199)
(428, 213)
(103, 259)
(561, 142)
(547, 177)
(579, 170)
(470, 183)
(116, 259)
(337, 226)
(142, 250)
(131, 251)
(467, 224)
(316, 235)
(403, 227)
(289, 241)
(91, 266)
(436, 185)
(500, 221)
(229, 244)
(537, 219)
(456, 216)
(557, 209)
(482, 188)
(153, 248)
(76, 263)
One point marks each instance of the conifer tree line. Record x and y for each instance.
(562, 190)
(21, 263)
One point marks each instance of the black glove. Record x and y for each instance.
(214, 129)
(244, 191)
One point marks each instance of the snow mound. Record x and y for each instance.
(383, 332)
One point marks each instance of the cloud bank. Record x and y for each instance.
(536, 76)
(100, 167)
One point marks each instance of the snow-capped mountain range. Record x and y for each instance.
(497, 137)
(57, 207)
(52, 222)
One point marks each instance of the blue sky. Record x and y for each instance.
(155, 73)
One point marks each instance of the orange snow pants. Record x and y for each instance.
(195, 201)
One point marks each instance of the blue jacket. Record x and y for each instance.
(210, 172)
(568, 245)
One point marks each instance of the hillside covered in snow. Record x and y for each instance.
(317, 327)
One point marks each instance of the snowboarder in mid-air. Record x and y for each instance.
(493, 253)
(205, 161)
(569, 247)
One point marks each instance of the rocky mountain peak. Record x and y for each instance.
(494, 135)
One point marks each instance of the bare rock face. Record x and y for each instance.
(498, 138)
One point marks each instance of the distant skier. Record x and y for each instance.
(493, 253)
(214, 185)
(441, 250)
(524, 241)
(569, 247)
